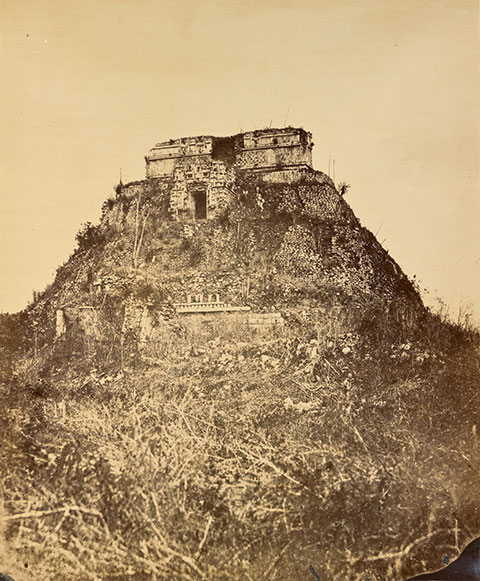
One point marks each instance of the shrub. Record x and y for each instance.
(89, 237)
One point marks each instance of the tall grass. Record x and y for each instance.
(219, 453)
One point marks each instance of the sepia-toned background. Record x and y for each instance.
(389, 90)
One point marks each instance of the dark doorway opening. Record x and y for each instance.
(200, 201)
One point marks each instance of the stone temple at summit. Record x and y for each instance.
(200, 171)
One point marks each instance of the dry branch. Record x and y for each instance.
(204, 538)
(42, 513)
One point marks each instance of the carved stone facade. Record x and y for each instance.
(273, 150)
(202, 169)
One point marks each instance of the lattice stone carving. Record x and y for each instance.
(251, 159)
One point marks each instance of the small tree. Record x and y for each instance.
(343, 188)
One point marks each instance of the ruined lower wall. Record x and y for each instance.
(144, 321)
(258, 322)
(83, 317)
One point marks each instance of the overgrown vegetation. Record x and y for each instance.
(345, 441)
(89, 237)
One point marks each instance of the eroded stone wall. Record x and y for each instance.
(164, 157)
(144, 321)
(274, 157)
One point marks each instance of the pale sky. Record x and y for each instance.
(389, 88)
